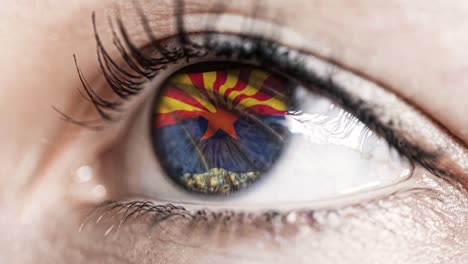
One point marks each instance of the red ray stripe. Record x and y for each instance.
(198, 82)
(270, 88)
(221, 78)
(242, 81)
(167, 119)
(180, 95)
(267, 110)
(197, 79)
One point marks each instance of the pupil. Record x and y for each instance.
(219, 131)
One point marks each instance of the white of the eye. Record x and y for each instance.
(330, 153)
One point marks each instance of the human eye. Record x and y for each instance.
(216, 120)
(218, 129)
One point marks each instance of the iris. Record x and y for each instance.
(216, 131)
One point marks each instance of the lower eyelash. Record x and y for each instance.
(164, 217)
(159, 213)
(178, 224)
(414, 217)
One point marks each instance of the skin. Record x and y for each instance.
(417, 50)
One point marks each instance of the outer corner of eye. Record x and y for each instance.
(255, 137)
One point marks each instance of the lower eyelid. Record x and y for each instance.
(344, 86)
(155, 213)
(411, 216)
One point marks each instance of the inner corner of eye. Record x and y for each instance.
(218, 128)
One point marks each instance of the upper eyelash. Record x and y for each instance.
(157, 214)
(127, 84)
(126, 211)
(124, 83)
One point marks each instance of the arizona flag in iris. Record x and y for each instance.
(216, 132)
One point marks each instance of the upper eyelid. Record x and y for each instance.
(446, 157)
(436, 149)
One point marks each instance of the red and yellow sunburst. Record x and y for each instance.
(218, 96)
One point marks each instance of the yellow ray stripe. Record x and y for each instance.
(209, 79)
(183, 82)
(181, 79)
(256, 80)
(231, 81)
(169, 105)
(274, 103)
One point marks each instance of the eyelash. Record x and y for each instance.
(158, 215)
(127, 84)
(162, 212)
(204, 221)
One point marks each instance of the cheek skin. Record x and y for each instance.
(421, 225)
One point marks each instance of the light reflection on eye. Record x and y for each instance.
(219, 129)
(303, 148)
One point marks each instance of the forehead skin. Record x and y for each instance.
(418, 50)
